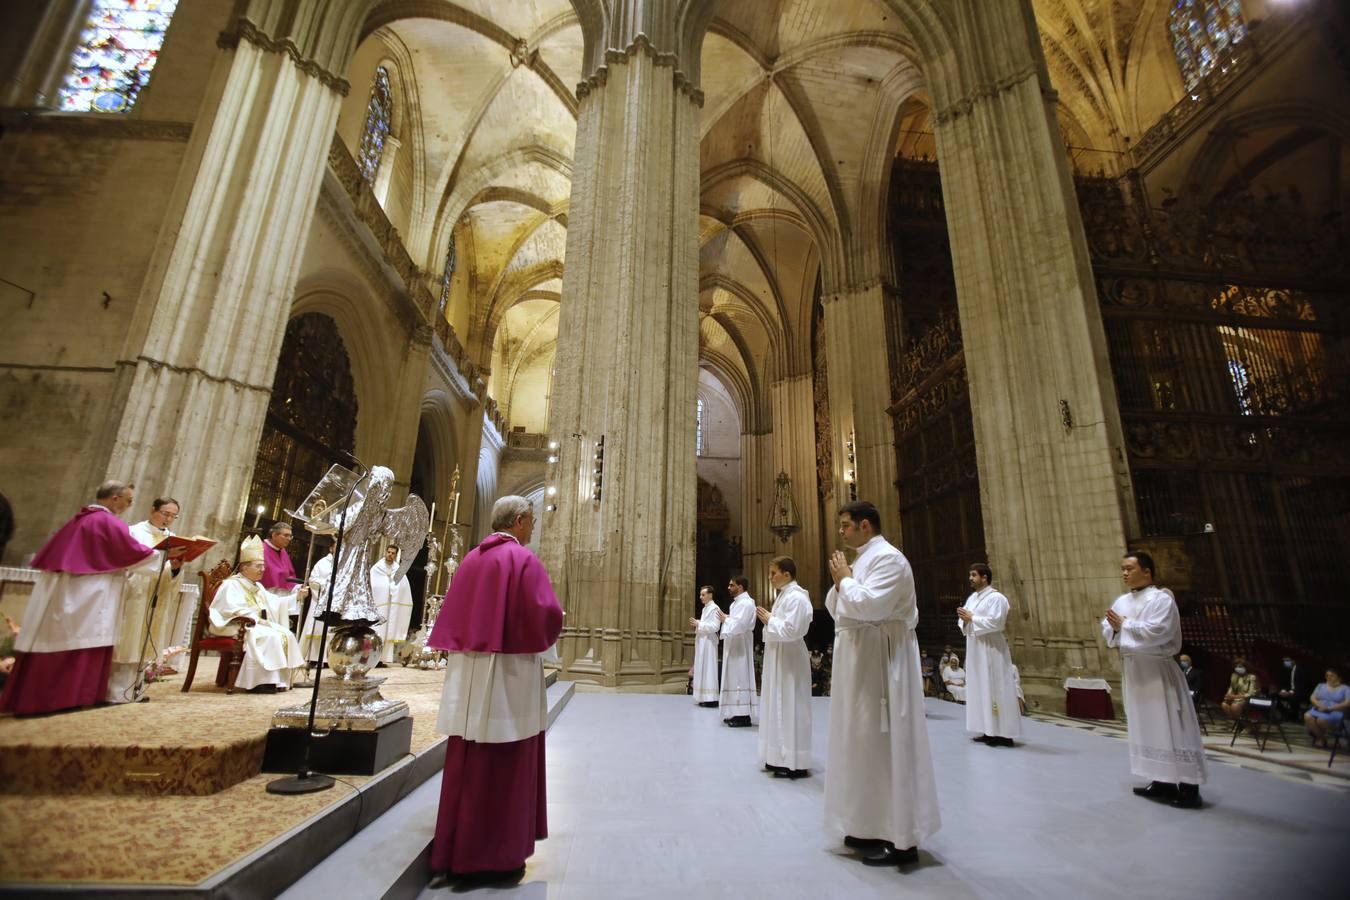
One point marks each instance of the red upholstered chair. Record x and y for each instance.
(230, 647)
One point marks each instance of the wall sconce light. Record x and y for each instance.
(850, 473)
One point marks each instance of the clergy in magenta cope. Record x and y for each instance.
(64, 650)
(499, 618)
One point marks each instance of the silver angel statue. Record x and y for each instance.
(370, 520)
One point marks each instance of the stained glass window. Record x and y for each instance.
(449, 270)
(700, 433)
(1203, 35)
(379, 114)
(116, 53)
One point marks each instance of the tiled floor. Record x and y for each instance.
(651, 797)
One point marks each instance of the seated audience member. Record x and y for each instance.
(271, 653)
(1330, 700)
(1292, 685)
(1242, 686)
(11, 631)
(927, 665)
(1192, 675)
(954, 678)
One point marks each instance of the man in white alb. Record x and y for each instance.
(133, 651)
(320, 574)
(394, 600)
(706, 627)
(271, 656)
(1164, 734)
(991, 690)
(739, 699)
(879, 787)
(785, 714)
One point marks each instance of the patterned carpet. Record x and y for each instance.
(169, 840)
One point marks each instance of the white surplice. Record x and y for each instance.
(738, 696)
(395, 603)
(705, 655)
(1164, 733)
(785, 711)
(271, 652)
(879, 779)
(134, 619)
(312, 629)
(493, 698)
(991, 689)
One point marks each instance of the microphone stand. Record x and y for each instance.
(137, 689)
(307, 781)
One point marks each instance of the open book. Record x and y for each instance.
(194, 546)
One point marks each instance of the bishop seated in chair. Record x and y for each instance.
(271, 653)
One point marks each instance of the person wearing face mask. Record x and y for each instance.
(1294, 685)
(954, 678)
(1242, 686)
(1192, 675)
(1164, 733)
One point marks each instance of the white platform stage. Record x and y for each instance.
(651, 796)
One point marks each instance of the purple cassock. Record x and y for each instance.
(279, 576)
(492, 795)
(65, 645)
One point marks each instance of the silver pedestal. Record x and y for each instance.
(352, 705)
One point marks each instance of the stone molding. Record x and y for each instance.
(246, 30)
(959, 108)
(95, 126)
(662, 59)
(157, 364)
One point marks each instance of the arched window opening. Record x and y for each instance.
(1203, 35)
(701, 429)
(117, 50)
(449, 270)
(379, 117)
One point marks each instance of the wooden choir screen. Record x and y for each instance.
(1226, 327)
(310, 425)
(941, 523)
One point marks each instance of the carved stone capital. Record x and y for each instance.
(963, 106)
(641, 44)
(245, 30)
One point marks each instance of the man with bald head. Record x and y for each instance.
(65, 646)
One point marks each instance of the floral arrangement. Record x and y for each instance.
(159, 670)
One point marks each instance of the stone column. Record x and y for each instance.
(793, 403)
(758, 545)
(627, 364)
(860, 392)
(1048, 438)
(196, 373)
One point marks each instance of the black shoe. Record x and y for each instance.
(982, 739)
(470, 880)
(738, 722)
(708, 703)
(797, 773)
(1188, 797)
(774, 769)
(858, 843)
(1000, 742)
(889, 856)
(263, 689)
(1157, 790)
